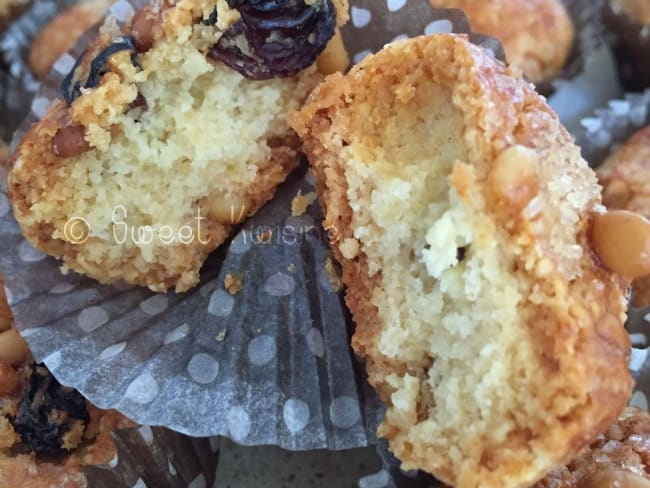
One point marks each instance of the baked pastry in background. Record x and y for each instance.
(9, 10)
(170, 133)
(47, 432)
(537, 35)
(625, 178)
(60, 34)
(629, 21)
(639, 10)
(618, 458)
(459, 208)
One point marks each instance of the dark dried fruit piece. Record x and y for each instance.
(70, 141)
(78, 78)
(47, 412)
(143, 28)
(275, 38)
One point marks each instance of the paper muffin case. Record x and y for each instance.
(269, 365)
(13, 100)
(156, 457)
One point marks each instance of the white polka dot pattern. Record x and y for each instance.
(310, 178)
(395, 5)
(139, 484)
(360, 56)
(344, 412)
(179, 333)
(92, 318)
(122, 11)
(155, 305)
(279, 285)
(63, 65)
(261, 350)
(378, 480)
(112, 351)
(28, 254)
(4, 205)
(438, 27)
(114, 461)
(295, 414)
(61, 288)
(315, 342)
(638, 359)
(221, 303)
(241, 243)
(143, 389)
(640, 400)
(361, 17)
(203, 368)
(239, 423)
(39, 106)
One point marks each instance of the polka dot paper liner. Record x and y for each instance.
(269, 365)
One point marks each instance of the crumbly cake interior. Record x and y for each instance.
(461, 312)
(459, 208)
(182, 147)
(201, 140)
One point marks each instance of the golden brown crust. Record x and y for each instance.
(57, 37)
(623, 447)
(625, 178)
(171, 268)
(537, 35)
(576, 320)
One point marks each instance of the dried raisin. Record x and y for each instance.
(275, 38)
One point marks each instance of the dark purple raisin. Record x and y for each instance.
(275, 38)
(77, 78)
(34, 422)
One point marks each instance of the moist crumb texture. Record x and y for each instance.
(459, 209)
(145, 173)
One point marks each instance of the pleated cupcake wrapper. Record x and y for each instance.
(13, 100)
(269, 365)
(17, 92)
(156, 457)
